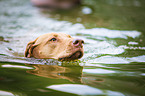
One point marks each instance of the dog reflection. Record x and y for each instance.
(71, 73)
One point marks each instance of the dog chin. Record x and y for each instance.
(73, 56)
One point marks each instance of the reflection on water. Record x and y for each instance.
(72, 74)
(15, 66)
(83, 90)
(77, 89)
(113, 64)
(3, 93)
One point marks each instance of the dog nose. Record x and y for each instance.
(78, 42)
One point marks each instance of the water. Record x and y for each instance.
(113, 63)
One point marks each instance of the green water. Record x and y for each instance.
(113, 63)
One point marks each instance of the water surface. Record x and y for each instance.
(113, 63)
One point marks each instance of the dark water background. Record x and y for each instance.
(113, 63)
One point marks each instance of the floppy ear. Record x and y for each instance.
(29, 49)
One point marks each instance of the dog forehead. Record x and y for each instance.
(52, 35)
(61, 35)
(55, 35)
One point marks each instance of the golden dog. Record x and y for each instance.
(59, 46)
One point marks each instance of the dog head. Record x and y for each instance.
(59, 46)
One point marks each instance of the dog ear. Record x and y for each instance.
(29, 49)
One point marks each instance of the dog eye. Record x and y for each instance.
(53, 39)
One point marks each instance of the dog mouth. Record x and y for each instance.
(73, 56)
